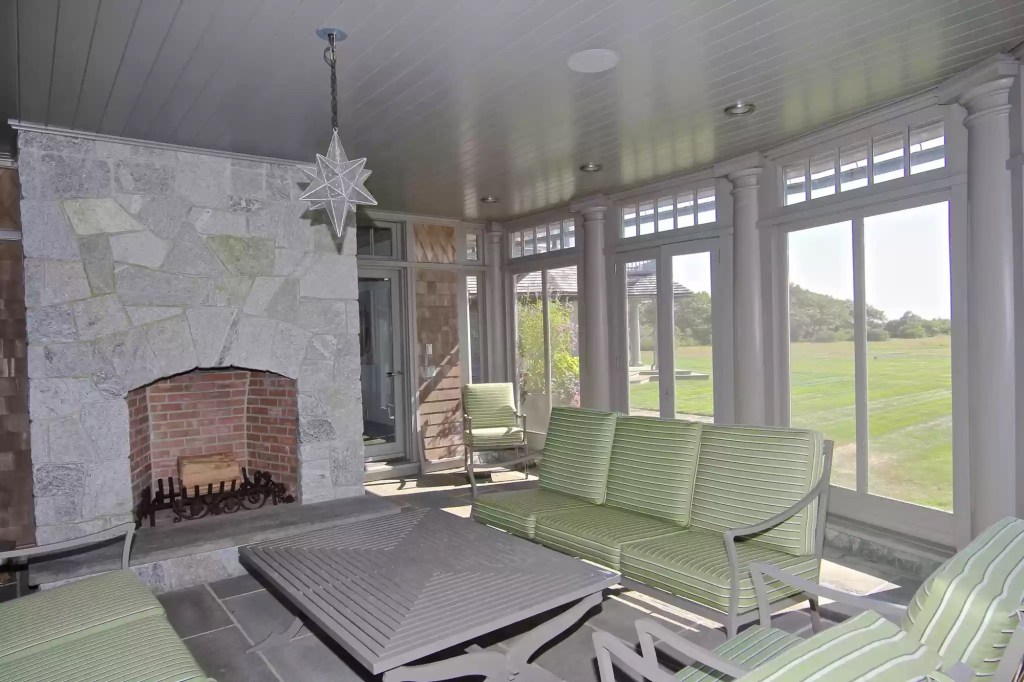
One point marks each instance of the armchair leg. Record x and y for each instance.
(469, 470)
(815, 614)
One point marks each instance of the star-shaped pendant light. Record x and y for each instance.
(336, 184)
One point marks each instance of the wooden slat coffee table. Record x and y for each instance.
(396, 589)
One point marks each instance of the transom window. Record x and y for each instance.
(885, 157)
(672, 212)
(533, 241)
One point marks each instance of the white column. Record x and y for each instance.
(994, 459)
(635, 355)
(748, 317)
(495, 310)
(596, 360)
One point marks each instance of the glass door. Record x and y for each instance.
(669, 331)
(380, 339)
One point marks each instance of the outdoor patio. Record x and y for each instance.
(219, 621)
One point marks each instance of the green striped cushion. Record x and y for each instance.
(576, 452)
(693, 565)
(746, 474)
(749, 649)
(516, 511)
(494, 437)
(489, 405)
(652, 467)
(98, 602)
(865, 648)
(967, 609)
(145, 650)
(598, 533)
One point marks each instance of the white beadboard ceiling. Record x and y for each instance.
(454, 99)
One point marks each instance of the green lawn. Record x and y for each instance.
(909, 398)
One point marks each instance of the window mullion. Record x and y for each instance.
(547, 335)
(860, 351)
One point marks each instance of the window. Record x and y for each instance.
(871, 162)
(642, 336)
(668, 213)
(472, 254)
(474, 324)
(377, 239)
(692, 322)
(531, 241)
(870, 349)
(547, 343)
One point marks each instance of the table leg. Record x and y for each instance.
(278, 638)
(495, 667)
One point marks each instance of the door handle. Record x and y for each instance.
(393, 374)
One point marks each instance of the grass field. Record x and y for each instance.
(909, 408)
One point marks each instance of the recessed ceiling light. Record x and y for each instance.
(489, 199)
(593, 61)
(739, 108)
(591, 167)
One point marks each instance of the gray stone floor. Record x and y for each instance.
(220, 620)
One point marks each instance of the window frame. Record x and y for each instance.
(698, 230)
(912, 190)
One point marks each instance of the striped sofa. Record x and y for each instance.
(681, 508)
(107, 627)
(964, 623)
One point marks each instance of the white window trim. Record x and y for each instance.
(694, 183)
(541, 220)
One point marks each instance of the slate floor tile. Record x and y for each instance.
(232, 587)
(222, 656)
(259, 614)
(193, 611)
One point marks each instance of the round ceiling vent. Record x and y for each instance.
(593, 61)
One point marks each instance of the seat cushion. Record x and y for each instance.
(493, 437)
(94, 603)
(576, 452)
(489, 405)
(749, 649)
(143, 650)
(865, 648)
(693, 565)
(746, 474)
(516, 510)
(598, 533)
(967, 609)
(652, 467)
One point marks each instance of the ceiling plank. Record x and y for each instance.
(37, 23)
(74, 38)
(110, 38)
(147, 38)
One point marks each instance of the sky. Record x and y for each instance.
(906, 261)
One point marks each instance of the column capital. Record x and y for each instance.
(982, 89)
(592, 208)
(743, 170)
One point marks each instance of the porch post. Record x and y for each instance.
(596, 361)
(495, 308)
(748, 318)
(994, 459)
(635, 358)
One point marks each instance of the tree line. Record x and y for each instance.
(822, 318)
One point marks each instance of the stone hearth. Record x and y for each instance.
(145, 263)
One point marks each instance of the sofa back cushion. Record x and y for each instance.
(967, 609)
(576, 452)
(747, 474)
(653, 466)
(489, 405)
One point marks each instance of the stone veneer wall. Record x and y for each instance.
(143, 263)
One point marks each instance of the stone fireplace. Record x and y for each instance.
(145, 264)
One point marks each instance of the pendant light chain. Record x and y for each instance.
(331, 57)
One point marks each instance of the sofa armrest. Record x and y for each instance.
(125, 529)
(607, 647)
(758, 571)
(647, 631)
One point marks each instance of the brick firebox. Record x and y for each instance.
(251, 415)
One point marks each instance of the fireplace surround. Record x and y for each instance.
(145, 263)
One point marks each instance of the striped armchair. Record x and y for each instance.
(964, 623)
(490, 421)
